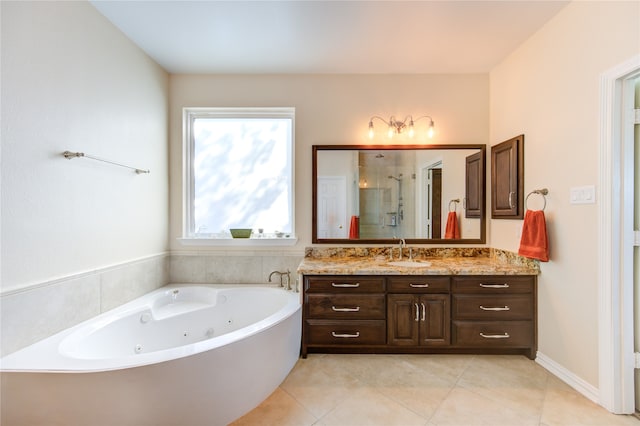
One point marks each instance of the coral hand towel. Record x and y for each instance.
(534, 243)
(354, 228)
(452, 231)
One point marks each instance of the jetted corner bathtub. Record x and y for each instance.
(181, 355)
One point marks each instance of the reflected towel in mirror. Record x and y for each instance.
(354, 228)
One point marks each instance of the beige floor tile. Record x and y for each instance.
(369, 407)
(569, 408)
(515, 382)
(318, 385)
(279, 409)
(463, 407)
(447, 367)
(430, 390)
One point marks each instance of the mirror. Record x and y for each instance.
(365, 194)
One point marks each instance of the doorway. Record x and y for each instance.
(616, 238)
(432, 199)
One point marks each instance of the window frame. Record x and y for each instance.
(189, 115)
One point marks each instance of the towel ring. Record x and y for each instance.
(455, 206)
(543, 192)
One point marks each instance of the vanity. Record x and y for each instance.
(446, 303)
(405, 297)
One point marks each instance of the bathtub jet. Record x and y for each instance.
(183, 354)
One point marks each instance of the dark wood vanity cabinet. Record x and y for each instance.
(343, 311)
(494, 312)
(419, 314)
(418, 311)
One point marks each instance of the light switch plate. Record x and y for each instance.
(582, 194)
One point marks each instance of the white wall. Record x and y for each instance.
(330, 109)
(72, 81)
(548, 89)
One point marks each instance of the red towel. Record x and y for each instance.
(452, 231)
(354, 228)
(534, 243)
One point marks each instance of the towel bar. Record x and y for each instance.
(69, 155)
(455, 207)
(543, 192)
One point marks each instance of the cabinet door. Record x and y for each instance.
(507, 179)
(403, 319)
(434, 320)
(418, 320)
(474, 185)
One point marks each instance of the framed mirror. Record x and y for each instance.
(367, 194)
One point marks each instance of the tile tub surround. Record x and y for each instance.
(32, 314)
(230, 268)
(442, 261)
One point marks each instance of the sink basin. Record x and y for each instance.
(409, 263)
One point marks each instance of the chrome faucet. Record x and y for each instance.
(401, 245)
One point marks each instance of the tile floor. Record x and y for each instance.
(427, 390)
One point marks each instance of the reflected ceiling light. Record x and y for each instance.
(397, 127)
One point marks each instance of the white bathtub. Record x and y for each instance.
(181, 355)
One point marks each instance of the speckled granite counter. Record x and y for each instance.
(426, 261)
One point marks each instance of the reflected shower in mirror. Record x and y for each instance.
(370, 194)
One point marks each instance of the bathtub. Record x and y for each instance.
(181, 355)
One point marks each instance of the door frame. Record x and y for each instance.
(615, 289)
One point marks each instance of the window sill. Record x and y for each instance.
(238, 242)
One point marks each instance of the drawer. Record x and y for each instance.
(349, 306)
(493, 307)
(347, 332)
(343, 284)
(493, 284)
(418, 284)
(487, 334)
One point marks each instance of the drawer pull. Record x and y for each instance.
(417, 312)
(346, 335)
(356, 309)
(495, 336)
(418, 285)
(497, 308)
(354, 285)
(494, 285)
(424, 312)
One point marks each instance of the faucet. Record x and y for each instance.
(288, 275)
(401, 245)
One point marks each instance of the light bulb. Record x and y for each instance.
(430, 133)
(411, 130)
(371, 132)
(390, 131)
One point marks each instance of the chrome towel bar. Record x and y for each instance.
(69, 155)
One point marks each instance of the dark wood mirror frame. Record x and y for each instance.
(480, 191)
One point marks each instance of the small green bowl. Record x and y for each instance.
(240, 232)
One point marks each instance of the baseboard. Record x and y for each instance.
(586, 389)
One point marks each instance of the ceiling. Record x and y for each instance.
(339, 36)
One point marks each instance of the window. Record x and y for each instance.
(239, 165)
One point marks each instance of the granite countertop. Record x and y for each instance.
(376, 261)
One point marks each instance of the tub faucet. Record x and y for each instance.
(287, 274)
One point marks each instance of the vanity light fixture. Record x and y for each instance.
(398, 127)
